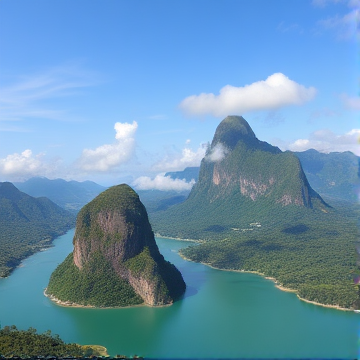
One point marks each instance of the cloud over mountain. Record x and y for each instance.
(109, 156)
(20, 166)
(273, 93)
(162, 182)
(217, 153)
(179, 161)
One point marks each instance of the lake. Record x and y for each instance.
(223, 314)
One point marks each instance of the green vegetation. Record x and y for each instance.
(95, 285)
(160, 272)
(311, 252)
(27, 343)
(255, 211)
(27, 225)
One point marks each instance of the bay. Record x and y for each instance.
(223, 314)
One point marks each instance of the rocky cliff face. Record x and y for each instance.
(116, 225)
(237, 162)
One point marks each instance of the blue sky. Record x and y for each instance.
(114, 90)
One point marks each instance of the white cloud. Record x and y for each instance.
(217, 153)
(351, 102)
(273, 93)
(179, 161)
(17, 167)
(109, 156)
(326, 141)
(162, 182)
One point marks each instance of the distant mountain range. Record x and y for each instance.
(27, 224)
(70, 195)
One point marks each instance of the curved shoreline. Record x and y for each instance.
(277, 285)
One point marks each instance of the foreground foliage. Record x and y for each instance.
(26, 343)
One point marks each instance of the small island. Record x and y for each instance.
(115, 262)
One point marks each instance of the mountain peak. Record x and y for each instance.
(231, 130)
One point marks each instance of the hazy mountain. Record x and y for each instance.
(189, 173)
(159, 200)
(70, 195)
(334, 175)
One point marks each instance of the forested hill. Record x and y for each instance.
(27, 224)
(70, 195)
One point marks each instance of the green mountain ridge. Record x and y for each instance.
(115, 261)
(27, 224)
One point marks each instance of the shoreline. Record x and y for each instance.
(179, 239)
(277, 285)
(75, 305)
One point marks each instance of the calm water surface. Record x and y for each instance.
(223, 314)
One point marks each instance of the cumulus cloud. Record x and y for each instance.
(326, 141)
(20, 166)
(179, 161)
(162, 182)
(273, 93)
(109, 156)
(217, 153)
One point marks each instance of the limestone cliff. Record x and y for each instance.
(113, 230)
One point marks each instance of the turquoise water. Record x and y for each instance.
(223, 314)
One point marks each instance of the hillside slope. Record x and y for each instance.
(27, 224)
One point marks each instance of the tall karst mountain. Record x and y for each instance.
(242, 180)
(115, 261)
